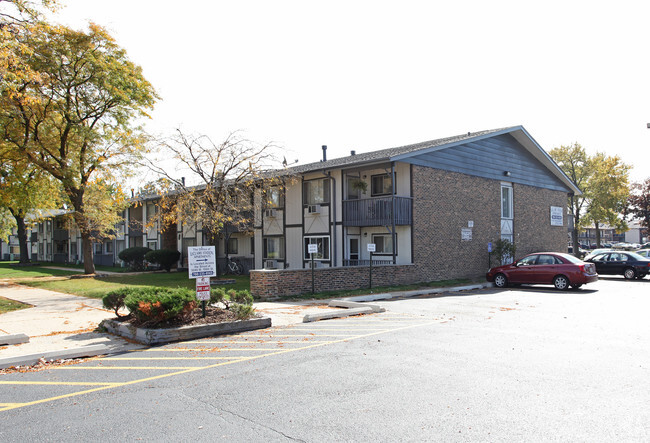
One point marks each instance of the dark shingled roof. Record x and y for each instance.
(387, 154)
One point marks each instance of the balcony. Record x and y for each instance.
(377, 211)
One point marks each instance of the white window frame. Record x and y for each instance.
(507, 202)
(276, 255)
(324, 247)
(275, 197)
(381, 251)
(232, 241)
(153, 243)
(383, 190)
(316, 192)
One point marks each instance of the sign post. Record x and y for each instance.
(202, 264)
(312, 248)
(489, 255)
(371, 249)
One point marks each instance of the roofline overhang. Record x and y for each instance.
(522, 136)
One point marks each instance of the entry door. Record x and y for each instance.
(353, 248)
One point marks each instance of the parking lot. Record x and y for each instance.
(529, 363)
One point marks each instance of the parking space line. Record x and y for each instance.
(300, 342)
(208, 349)
(57, 383)
(175, 358)
(92, 368)
(327, 328)
(298, 335)
(230, 361)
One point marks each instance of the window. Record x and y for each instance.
(383, 243)
(108, 247)
(273, 248)
(233, 246)
(60, 247)
(527, 261)
(316, 192)
(98, 248)
(323, 244)
(14, 250)
(506, 201)
(152, 244)
(382, 185)
(73, 249)
(354, 185)
(252, 245)
(151, 211)
(275, 197)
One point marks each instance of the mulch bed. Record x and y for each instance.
(194, 317)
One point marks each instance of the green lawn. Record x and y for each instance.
(7, 305)
(8, 269)
(97, 287)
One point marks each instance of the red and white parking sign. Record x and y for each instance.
(203, 288)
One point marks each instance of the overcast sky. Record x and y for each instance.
(369, 75)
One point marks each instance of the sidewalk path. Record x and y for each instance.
(56, 321)
(59, 321)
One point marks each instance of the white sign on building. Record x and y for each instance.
(557, 216)
(202, 261)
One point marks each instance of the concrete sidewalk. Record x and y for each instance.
(59, 324)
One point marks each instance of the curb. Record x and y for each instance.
(337, 314)
(31, 359)
(352, 304)
(13, 339)
(392, 295)
(161, 336)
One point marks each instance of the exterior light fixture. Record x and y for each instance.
(506, 173)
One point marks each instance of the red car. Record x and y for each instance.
(545, 268)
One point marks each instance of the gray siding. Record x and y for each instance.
(489, 158)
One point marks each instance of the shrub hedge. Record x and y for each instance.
(134, 257)
(165, 258)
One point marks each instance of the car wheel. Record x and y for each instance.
(576, 286)
(629, 273)
(500, 281)
(561, 282)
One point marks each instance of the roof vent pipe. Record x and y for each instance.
(324, 153)
(183, 180)
(353, 152)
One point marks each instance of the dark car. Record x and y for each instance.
(544, 268)
(629, 264)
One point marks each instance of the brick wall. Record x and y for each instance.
(532, 211)
(269, 284)
(444, 203)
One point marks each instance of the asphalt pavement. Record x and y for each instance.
(520, 364)
(63, 326)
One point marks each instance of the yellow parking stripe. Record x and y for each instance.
(205, 350)
(264, 342)
(326, 328)
(297, 335)
(176, 358)
(58, 383)
(194, 369)
(160, 368)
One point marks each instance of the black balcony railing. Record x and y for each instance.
(377, 211)
(375, 262)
